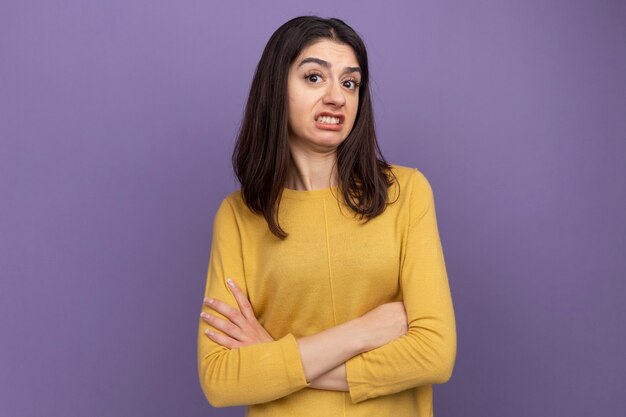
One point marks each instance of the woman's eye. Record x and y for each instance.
(314, 78)
(350, 84)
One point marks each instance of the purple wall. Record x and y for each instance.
(117, 119)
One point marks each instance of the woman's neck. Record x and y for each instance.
(312, 171)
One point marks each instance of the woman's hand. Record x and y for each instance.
(241, 328)
(322, 352)
(374, 329)
(383, 324)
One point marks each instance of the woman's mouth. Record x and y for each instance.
(329, 120)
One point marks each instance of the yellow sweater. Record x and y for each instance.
(331, 268)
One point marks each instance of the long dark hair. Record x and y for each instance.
(261, 157)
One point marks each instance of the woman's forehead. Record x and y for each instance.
(330, 51)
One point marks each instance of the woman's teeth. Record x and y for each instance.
(328, 120)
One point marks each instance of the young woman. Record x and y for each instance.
(327, 292)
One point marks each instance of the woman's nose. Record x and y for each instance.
(334, 94)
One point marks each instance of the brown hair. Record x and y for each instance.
(261, 156)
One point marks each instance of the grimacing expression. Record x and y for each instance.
(323, 90)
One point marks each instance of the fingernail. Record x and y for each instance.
(210, 333)
(230, 282)
(208, 300)
(204, 315)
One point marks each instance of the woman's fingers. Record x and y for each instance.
(227, 311)
(256, 331)
(242, 300)
(223, 325)
(240, 327)
(222, 339)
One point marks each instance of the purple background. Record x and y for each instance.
(117, 120)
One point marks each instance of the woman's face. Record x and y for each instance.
(323, 89)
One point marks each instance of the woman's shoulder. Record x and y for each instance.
(409, 178)
(234, 201)
(413, 191)
(233, 211)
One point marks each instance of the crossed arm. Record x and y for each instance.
(375, 353)
(324, 354)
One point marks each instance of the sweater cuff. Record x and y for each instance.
(356, 380)
(293, 363)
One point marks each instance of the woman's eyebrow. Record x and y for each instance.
(325, 64)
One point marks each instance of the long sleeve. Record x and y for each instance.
(252, 374)
(426, 354)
